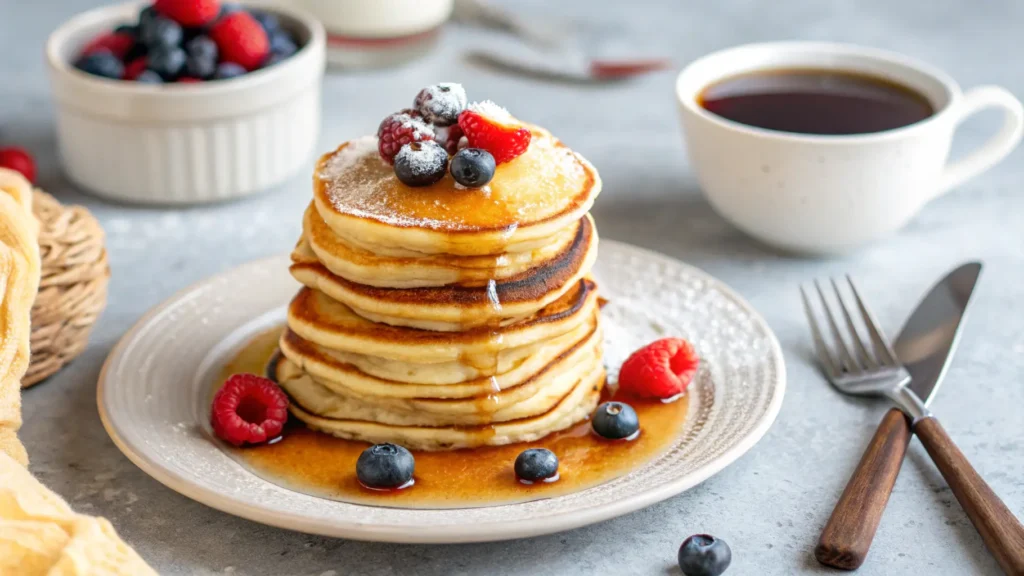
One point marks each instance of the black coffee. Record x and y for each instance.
(815, 102)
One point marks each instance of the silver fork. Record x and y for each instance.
(880, 373)
(862, 373)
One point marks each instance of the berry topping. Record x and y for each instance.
(421, 163)
(202, 57)
(535, 465)
(268, 21)
(19, 160)
(385, 467)
(272, 364)
(189, 12)
(615, 421)
(282, 45)
(117, 43)
(159, 32)
(473, 167)
(704, 555)
(399, 129)
(248, 410)
(167, 62)
(241, 39)
(492, 128)
(134, 69)
(149, 77)
(228, 70)
(442, 103)
(101, 63)
(662, 369)
(449, 137)
(189, 80)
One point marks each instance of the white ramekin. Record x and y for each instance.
(184, 143)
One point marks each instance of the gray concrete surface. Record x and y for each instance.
(771, 504)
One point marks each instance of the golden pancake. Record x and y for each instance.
(526, 363)
(534, 397)
(320, 244)
(458, 308)
(572, 408)
(529, 200)
(322, 320)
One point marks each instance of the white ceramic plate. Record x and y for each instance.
(152, 401)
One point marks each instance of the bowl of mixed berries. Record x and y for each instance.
(186, 101)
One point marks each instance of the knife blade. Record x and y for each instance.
(924, 346)
(927, 341)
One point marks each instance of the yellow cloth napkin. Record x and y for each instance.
(39, 532)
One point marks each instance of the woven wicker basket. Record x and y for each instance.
(73, 287)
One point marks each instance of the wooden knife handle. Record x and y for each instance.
(846, 538)
(999, 529)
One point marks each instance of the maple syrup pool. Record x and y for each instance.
(321, 465)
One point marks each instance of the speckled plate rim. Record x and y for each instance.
(353, 528)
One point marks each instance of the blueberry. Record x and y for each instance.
(273, 59)
(441, 104)
(227, 70)
(149, 77)
(615, 421)
(168, 62)
(269, 22)
(281, 44)
(160, 32)
(229, 8)
(704, 555)
(146, 15)
(537, 464)
(202, 57)
(385, 466)
(127, 29)
(102, 63)
(271, 370)
(473, 167)
(421, 163)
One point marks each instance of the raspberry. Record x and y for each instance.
(248, 410)
(189, 12)
(662, 369)
(241, 39)
(399, 129)
(133, 69)
(441, 104)
(449, 136)
(492, 128)
(19, 160)
(118, 43)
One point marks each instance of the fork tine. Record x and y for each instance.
(827, 362)
(881, 344)
(858, 344)
(846, 359)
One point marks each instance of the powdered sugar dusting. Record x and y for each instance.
(344, 159)
(491, 110)
(424, 161)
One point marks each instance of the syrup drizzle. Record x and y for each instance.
(323, 466)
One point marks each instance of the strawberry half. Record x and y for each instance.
(492, 128)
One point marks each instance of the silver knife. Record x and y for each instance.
(924, 347)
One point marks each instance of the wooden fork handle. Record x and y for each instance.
(999, 529)
(846, 538)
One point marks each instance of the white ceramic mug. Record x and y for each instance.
(827, 194)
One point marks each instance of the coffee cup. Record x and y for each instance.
(830, 193)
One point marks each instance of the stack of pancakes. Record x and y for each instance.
(440, 317)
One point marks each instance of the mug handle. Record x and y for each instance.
(997, 147)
